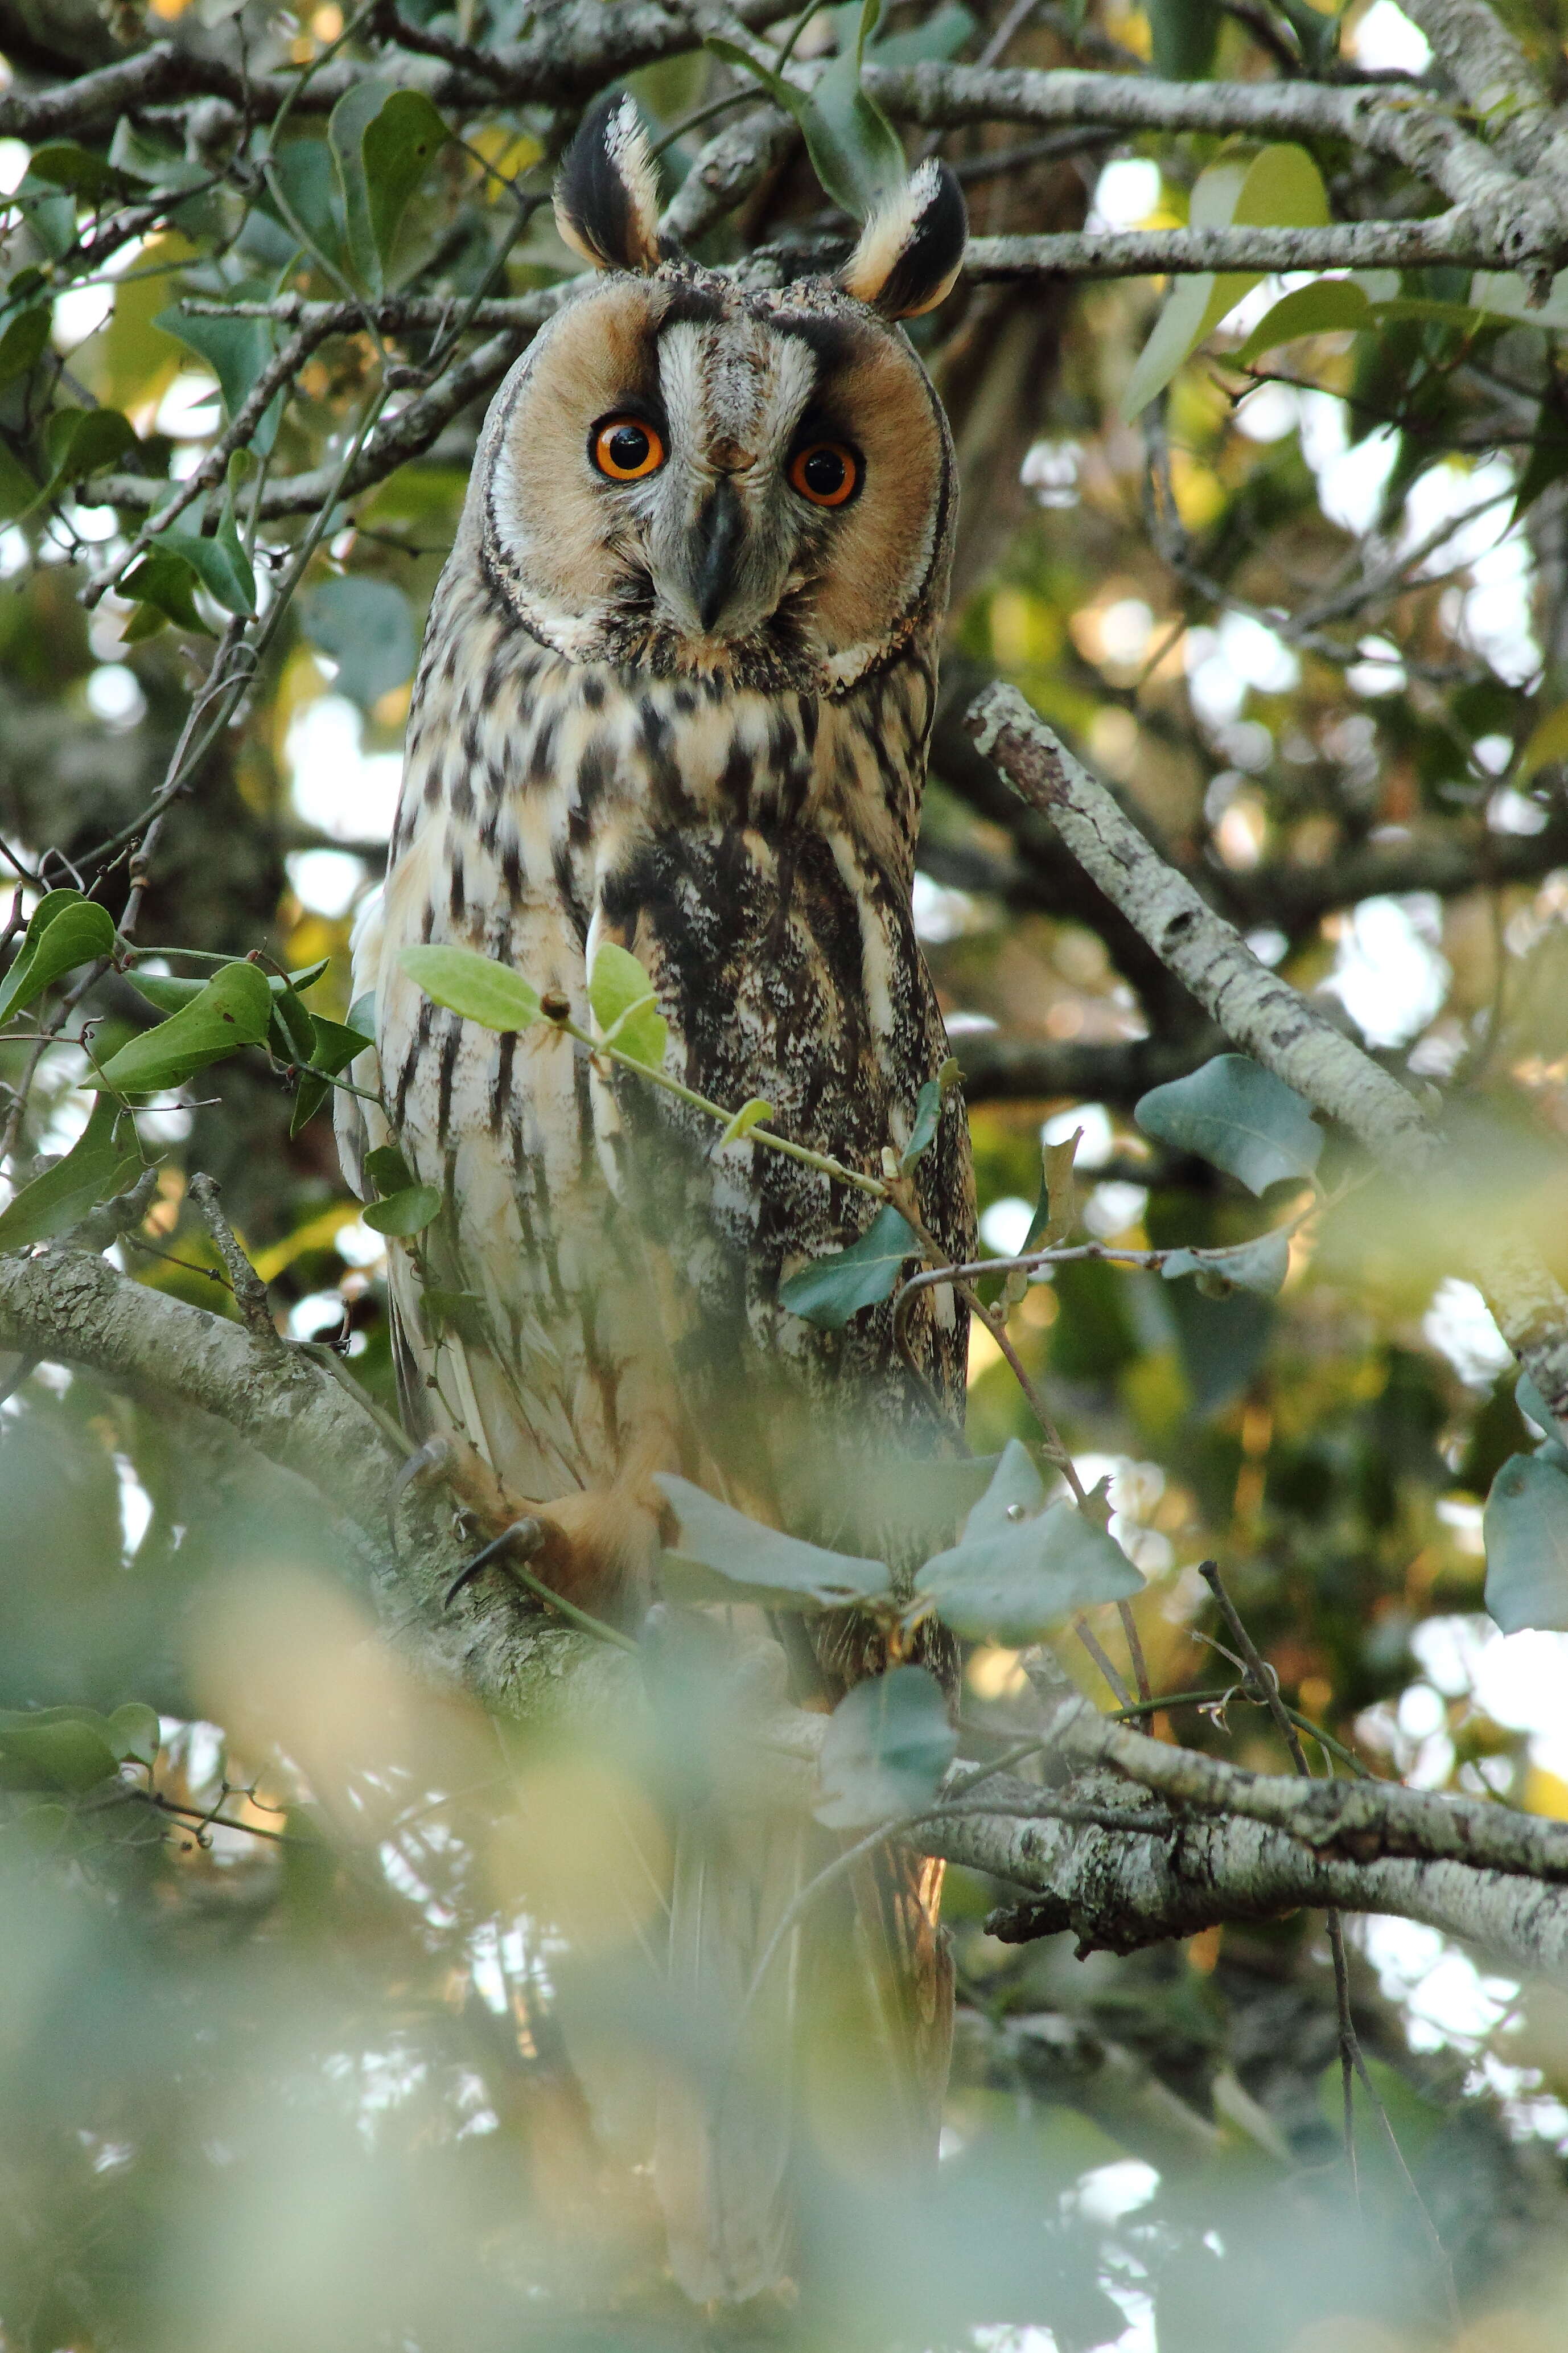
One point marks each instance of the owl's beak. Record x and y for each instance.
(718, 539)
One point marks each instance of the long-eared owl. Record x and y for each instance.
(676, 692)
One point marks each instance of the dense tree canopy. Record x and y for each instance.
(317, 1942)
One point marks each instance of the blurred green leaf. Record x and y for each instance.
(831, 1288)
(95, 1169)
(1237, 1115)
(405, 1213)
(1260, 1266)
(1525, 1527)
(64, 932)
(922, 1136)
(164, 584)
(66, 166)
(719, 1554)
(887, 1745)
(1547, 746)
(1018, 1571)
(81, 441)
(56, 1748)
(1183, 35)
(22, 344)
(232, 1010)
(626, 1009)
(472, 985)
(1329, 306)
(1280, 188)
(363, 626)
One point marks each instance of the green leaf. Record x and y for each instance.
(922, 1136)
(95, 1169)
(395, 151)
(22, 344)
(1547, 746)
(237, 351)
(855, 152)
(1240, 1117)
(18, 492)
(169, 991)
(66, 166)
(1183, 35)
(404, 1213)
(1018, 1571)
(232, 1010)
(751, 1114)
(219, 562)
(942, 34)
(1532, 1404)
(1015, 1588)
(80, 441)
(626, 1009)
(831, 1288)
(293, 1032)
(333, 1046)
(64, 931)
(56, 1748)
(472, 985)
(135, 1731)
(887, 1745)
(1260, 1265)
(164, 584)
(1525, 1526)
(1329, 306)
(1280, 188)
(387, 1170)
(365, 628)
(721, 1555)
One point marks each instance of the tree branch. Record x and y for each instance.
(1265, 1016)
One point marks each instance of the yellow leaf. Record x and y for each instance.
(1545, 1793)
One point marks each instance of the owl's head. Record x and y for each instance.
(681, 476)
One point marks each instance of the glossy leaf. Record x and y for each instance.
(64, 932)
(831, 1288)
(365, 628)
(95, 1169)
(405, 1213)
(719, 1554)
(1237, 1115)
(1330, 306)
(626, 1009)
(1525, 1527)
(474, 986)
(887, 1745)
(231, 1012)
(1018, 1570)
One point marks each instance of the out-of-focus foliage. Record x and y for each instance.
(319, 2028)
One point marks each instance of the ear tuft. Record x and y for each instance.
(912, 247)
(607, 191)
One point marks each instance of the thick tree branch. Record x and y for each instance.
(1265, 1016)
(1002, 1068)
(1451, 237)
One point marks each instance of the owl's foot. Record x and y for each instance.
(595, 1549)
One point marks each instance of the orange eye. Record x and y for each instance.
(826, 472)
(625, 449)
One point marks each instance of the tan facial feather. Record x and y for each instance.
(881, 547)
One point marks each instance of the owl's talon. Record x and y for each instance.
(527, 1534)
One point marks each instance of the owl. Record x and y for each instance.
(676, 693)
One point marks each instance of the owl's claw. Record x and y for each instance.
(526, 1536)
